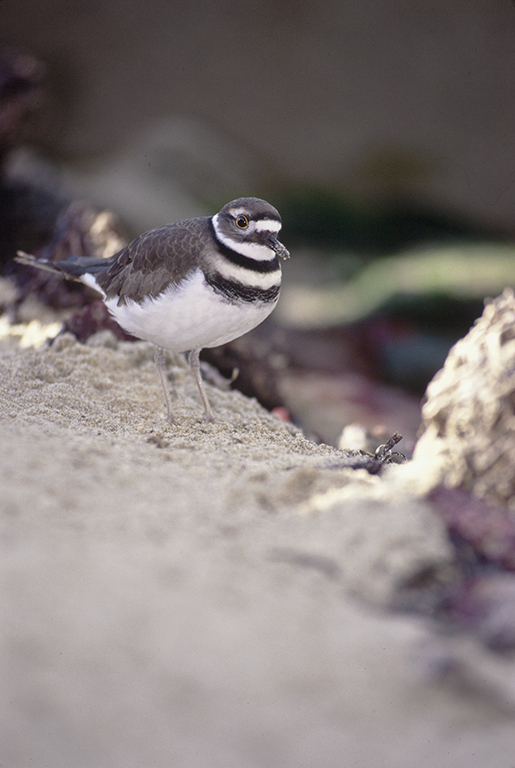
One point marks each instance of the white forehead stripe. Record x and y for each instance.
(262, 225)
(269, 225)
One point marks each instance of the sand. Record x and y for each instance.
(214, 594)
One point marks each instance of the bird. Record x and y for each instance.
(195, 283)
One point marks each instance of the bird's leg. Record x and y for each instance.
(161, 367)
(195, 367)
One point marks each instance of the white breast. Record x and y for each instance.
(188, 316)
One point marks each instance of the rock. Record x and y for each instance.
(468, 434)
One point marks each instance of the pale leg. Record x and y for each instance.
(195, 367)
(161, 367)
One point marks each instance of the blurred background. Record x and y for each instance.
(383, 131)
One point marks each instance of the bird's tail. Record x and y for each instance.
(73, 268)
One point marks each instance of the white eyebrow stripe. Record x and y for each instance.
(269, 225)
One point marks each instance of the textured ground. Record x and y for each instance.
(201, 595)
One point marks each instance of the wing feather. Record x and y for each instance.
(152, 261)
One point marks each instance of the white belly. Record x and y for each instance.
(191, 316)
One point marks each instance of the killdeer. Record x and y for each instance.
(196, 283)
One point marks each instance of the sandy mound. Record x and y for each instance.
(196, 595)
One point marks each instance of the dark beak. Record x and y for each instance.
(278, 247)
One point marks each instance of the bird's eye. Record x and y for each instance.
(242, 221)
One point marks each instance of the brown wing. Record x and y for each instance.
(148, 265)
